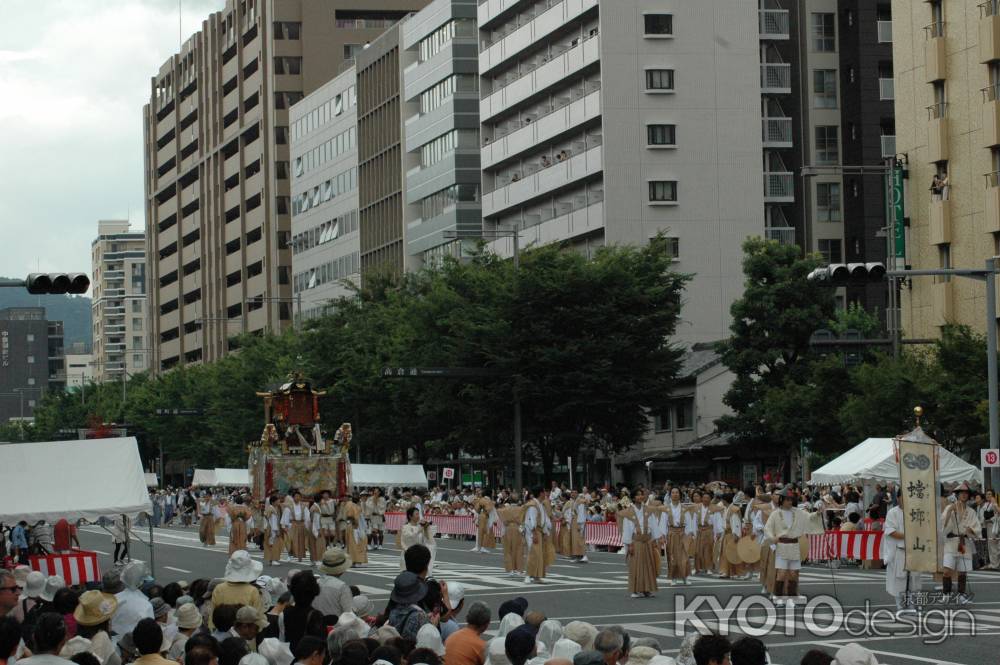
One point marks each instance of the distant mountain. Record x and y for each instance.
(73, 311)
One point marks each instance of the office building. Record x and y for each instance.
(218, 210)
(32, 360)
(326, 249)
(80, 369)
(946, 58)
(441, 135)
(119, 314)
(608, 122)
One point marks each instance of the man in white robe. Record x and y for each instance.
(902, 585)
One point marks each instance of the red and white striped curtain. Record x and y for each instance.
(76, 567)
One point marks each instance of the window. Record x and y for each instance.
(31, 403)
(137, 307)
(830, 249)
(662, 420)
(31, 337)
(823, 32)
(31, 380)
(825, 88)
(828, 201)
(661, 135)
(827, 151)
(659, 79)
(137, 360)
(673, 247)
(662, 191)
(684, 413)
(136, 324)
(433, 43)
(136, 342)
(31, 360)
(659, 24)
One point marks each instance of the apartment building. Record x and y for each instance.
(826, 102)
(441, 132)
(119, 314)
(608, 122)
(32, 360)
(947, 76)
(218, 192)
(326, 248)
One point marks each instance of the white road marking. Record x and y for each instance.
(177, 570)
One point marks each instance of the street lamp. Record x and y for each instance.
(515, 234)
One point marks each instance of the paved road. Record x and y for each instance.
(596, 592)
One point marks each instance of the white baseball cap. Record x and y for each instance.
(456, 593)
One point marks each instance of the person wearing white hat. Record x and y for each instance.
(133, 605)
(52, 584)
(961, 526)
(249, 622)
(854, 654)
(188, 621)
(276, 651)
(237, 587)
(454, 597)
(429, 637)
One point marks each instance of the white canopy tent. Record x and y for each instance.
(75, 480)
(203, 478)
(232, 477)
(151, 480)
(875, 459)
(388, 475)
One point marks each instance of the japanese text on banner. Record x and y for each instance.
(918, 481)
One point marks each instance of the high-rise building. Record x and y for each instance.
(118, 306)
(32, 360)
(826, 101)
(946, 57)
(326, 247)
(441, 139)
(218, 210)
(606, 122)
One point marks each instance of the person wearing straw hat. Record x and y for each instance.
(249, 622)
(785, 527)
(93, 615)
(961, 526)
(188, 621)
(237, 587)
(334, 594)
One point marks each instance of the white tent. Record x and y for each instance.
(232, 477)
(72, 479)
(151, 480)
(203, 478)
(388, 475)
(875, 459)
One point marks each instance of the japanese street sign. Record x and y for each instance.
(989, 457)
(899, 225)
(919, 484)
(432, 475)
(180, 412)
(447, 473)
(437, 372)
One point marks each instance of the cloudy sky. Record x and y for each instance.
(74, 75)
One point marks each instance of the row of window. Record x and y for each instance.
(339, 184)
(325, 152)
(430, 45)
(321, 115)
(326, 232)
(345, 266)
(434, 151)
(438, 202)
(436, 95)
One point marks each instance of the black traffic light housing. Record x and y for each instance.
(57, 283)
(848, 274)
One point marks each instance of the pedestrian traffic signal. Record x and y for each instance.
(57, 283)
(848, 274)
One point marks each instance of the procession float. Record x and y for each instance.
(294, 450)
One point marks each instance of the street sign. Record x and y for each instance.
(898, 216)
(989, 457)
(180, 412)
(447, 473)
(432, 475)
(437, 372)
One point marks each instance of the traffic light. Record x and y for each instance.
(57, 283)
(848, 274)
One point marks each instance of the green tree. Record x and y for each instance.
(768, 351)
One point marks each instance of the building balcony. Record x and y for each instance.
(939, 222)
(886, 89)
(565, 220)
(568, 112)
(114, 330)
(777, 132)
(993, 202)
(491, 9)
(779, 187)
(776, 78)
(541, 182)
(935, 56)
(774, 24)
(546, 75)
(937, 138)
(884, 32)
(942, 303)
(989, 33)
(991, 119)
(888, 145)
(783, 235)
